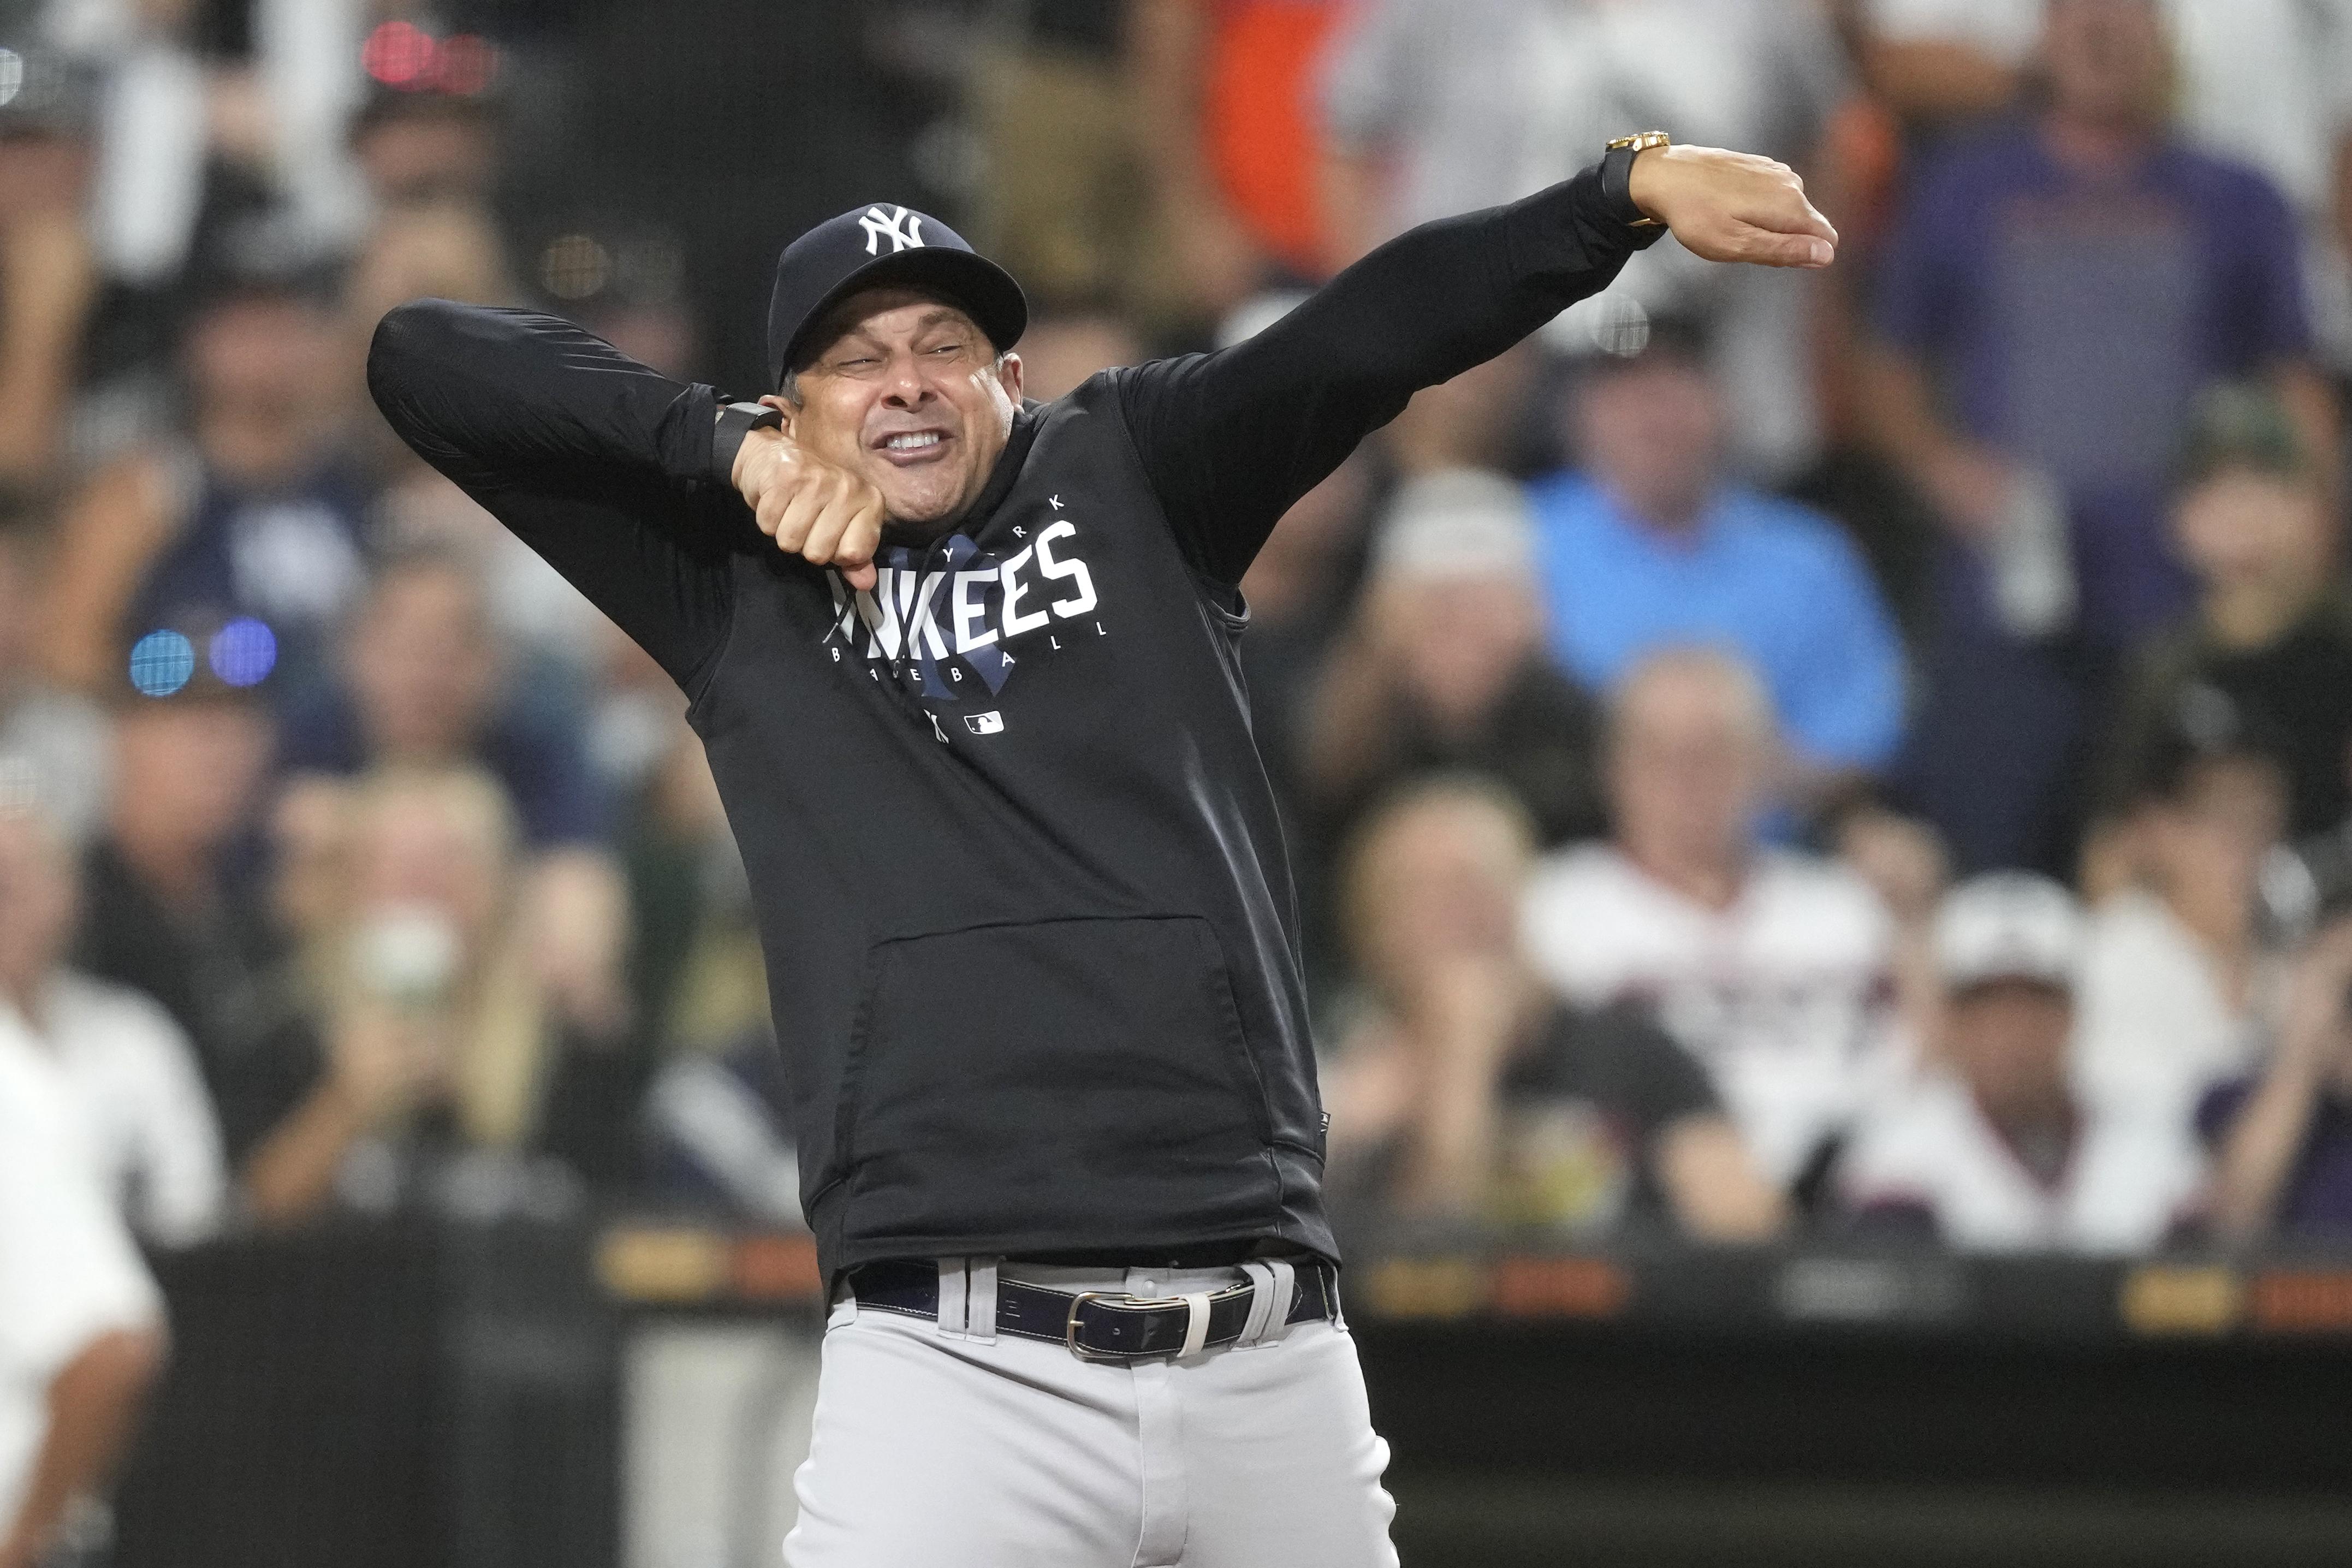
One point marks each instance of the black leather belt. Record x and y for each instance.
(1097, 1325)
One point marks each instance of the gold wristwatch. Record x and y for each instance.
(1639, 143)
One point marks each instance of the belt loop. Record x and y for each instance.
(1286, 1292)
(1330, 1272)
(952, 1297)
(1261, 1278)
(980, 1299)
(1196, 1324)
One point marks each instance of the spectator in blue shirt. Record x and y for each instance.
(1652, 545)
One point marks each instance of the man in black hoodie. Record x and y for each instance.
(965, 670)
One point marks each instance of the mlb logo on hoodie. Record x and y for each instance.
(989, 723)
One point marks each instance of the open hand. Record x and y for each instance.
(1732, 206)
(812, 509)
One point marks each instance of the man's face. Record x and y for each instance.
(423, 665)
(1650, 432)
(186, 772)
(266, 374)
(2008, 1039)
(2245, 528)
(1460, 639)
(909, 395)
(1439, 881)
(428, 155)
(1687, 765)
(2108, 60)
(2207, 846)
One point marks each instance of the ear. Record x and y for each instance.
(776, 401)
(1009, 376)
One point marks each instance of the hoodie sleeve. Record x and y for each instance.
(605, 467)
(1231, 439)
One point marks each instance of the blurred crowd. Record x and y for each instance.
(1866, 752)
(1774, 754)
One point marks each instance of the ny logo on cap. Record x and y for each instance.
(901, 227)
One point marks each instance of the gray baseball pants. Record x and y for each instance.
(945, 1445)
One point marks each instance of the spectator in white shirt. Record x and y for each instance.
(130, 1069)
(2177, 975)
(1991, 1147)
(1771, 967)
(81, 1327)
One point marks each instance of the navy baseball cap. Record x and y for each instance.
(875, 247)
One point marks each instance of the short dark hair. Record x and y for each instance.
(2204, 728)
(2240, 427)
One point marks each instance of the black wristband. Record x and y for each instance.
(1617, 196)
(737, 420)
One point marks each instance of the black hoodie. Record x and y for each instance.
(1031, 939)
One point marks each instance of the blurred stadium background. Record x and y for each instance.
(1823, 802)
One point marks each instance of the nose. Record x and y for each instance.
(906, 388)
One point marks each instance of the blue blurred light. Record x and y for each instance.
(162, 662)
(243, 652)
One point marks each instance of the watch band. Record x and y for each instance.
(735, 421)
(1617, 174)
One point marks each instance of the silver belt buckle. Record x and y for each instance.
(1138, 1303)
(1122, 1300)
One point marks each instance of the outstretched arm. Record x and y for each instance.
(1230, 439)
(615, 473)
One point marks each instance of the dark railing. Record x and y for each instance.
(450, 1396)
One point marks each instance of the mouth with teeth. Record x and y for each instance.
(907, 448)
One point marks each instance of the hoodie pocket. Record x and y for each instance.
(1075, 1081)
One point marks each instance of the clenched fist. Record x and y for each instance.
(1732, 206)
(812, 509)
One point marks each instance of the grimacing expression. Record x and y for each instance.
(908, 394)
